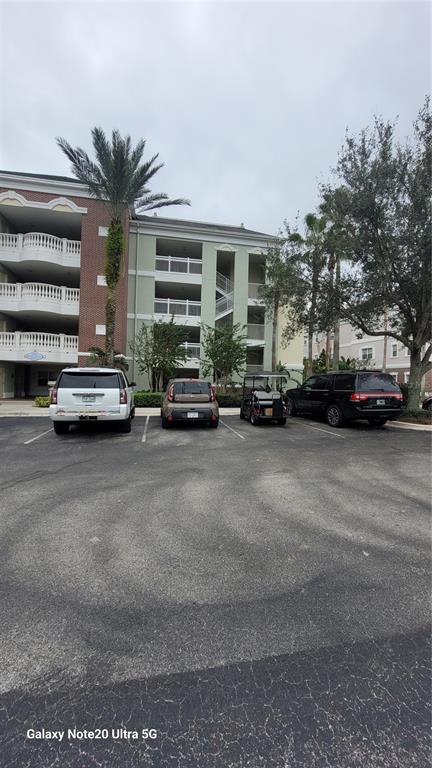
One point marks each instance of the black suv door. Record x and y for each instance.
(320, 393)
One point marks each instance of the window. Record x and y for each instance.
(101, 280)
(394, 349)
(192, 388)
(311, 382)
(367, 353)
(395, 375)
(406, 376)
(407, 352)
(89, 380)
(345, 382)
(376, 382)
(100, 330)
(43, 377)
(321, 382)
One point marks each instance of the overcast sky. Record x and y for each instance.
(247, 103)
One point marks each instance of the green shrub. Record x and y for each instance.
(418, 415)
(41, 401)
(228, 399)
(148, 399)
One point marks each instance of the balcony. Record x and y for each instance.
(40, 247)
(255, 334)
(39, 297)
(193, 355)
(33, 346)
(185, 312)
(178, 270)
(254, 294)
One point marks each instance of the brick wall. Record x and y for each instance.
(92, 296)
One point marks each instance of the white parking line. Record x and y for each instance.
(144, 437)
(232, 430)
(333, 434)
(38, 436)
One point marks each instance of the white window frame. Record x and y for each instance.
(366, 359)
(394, 346)
(406, 377)
(394, 374)
(100, 330)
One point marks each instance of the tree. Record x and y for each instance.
(224, 351)
(159, 349)
(276, 291)
(387, 221)
(120, 179)
(307, 259)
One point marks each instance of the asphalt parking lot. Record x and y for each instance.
(259, 596)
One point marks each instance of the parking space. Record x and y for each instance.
(202, 565)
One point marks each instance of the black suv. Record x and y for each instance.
(343, 396)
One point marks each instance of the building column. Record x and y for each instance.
(208, 287)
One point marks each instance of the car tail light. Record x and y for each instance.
(170, 417)
(53, 396)
(170, 394)
(123, 397)
(213, 417)
(358, 397)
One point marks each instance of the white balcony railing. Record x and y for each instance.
(179, 265)
(255, 331)
(36, 346)
(177, 307)
(40, 246)
(224, 304)
(255, 291)
(192, 350)
(39, 296)
(223, 283)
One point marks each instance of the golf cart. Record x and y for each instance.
(262, 398)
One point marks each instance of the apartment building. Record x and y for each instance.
(52, 288)
(374, 351)
(201, 274)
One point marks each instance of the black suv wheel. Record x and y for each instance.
(291, 407)
(334, 416)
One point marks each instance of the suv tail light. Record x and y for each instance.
(53, 396)
(123, 397)
(170, 394)
(358, 397)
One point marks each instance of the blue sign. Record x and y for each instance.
(34, 356)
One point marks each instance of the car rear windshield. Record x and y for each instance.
(89, 381)
(375, 382)
(191, 388)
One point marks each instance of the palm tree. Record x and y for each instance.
(120, 179)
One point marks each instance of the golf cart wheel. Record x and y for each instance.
(254, 419)
(378, 421)
(291, 407)
(282, 422)
(334, 416)
(60, 427)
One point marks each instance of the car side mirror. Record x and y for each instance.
(132, 384)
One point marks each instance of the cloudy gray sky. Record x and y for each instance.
(246, 102)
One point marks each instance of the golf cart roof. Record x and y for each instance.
(264, 375)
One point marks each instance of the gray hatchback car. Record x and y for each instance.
(189, 400)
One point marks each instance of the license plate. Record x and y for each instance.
(192, 415)
(380, 402)
(268, 411)
(89, 398)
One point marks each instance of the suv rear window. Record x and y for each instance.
(89, 380)
(191, 388)
(344, 381)
(375, 382)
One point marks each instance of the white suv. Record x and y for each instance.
(91, 394)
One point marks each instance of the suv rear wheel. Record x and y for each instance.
(126, 425)
(60, 427)
(334, 416)
(291, 407)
